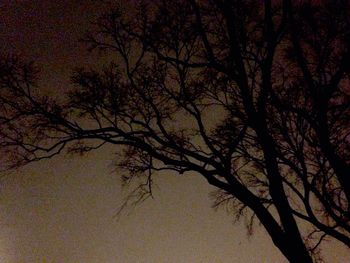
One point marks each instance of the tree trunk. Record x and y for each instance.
(294, 246)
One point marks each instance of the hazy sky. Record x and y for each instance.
(62, 210)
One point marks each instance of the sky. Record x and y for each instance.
(63, 209)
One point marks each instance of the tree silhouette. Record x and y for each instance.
(251, 95)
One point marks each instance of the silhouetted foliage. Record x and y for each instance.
(252, 95)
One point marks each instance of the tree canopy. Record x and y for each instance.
(251, 95)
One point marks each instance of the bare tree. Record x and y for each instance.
(274, 74)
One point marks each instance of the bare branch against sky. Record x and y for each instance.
(251, 97)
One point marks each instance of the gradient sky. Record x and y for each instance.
(62, 210)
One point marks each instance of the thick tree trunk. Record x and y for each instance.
(288, 242)
(295, 249)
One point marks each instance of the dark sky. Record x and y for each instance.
(62, 210)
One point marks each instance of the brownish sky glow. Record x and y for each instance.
(62, 210)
